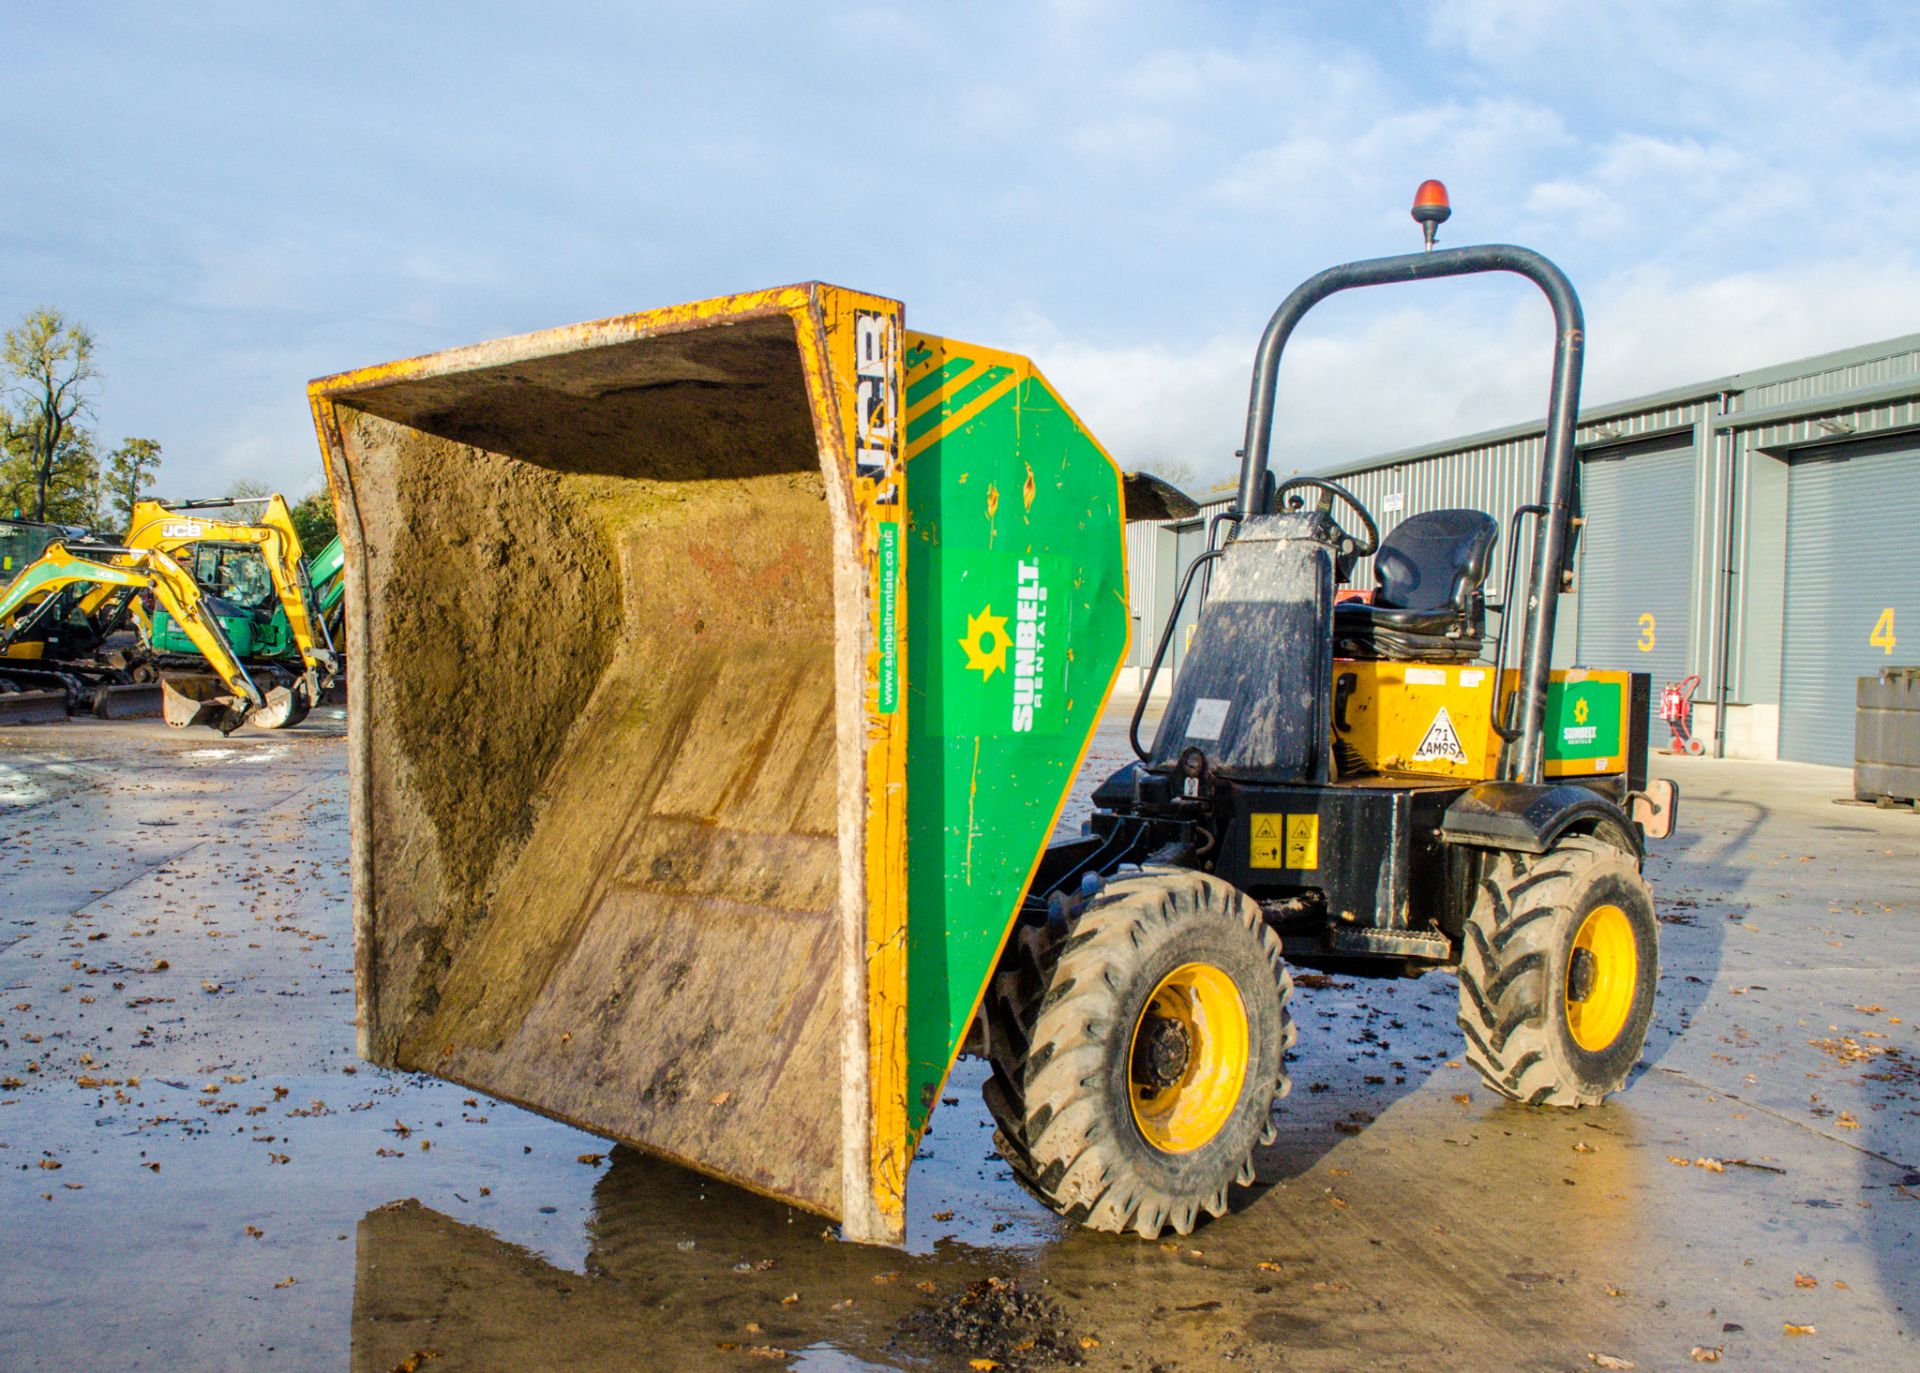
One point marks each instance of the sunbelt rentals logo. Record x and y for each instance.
(1580, 732)
(987, 643)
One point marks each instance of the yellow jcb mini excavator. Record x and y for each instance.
(254, 576)
(735, 876)
(57, 612)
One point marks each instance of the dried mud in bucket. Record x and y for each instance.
(599, 694)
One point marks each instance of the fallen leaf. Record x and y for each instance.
(1608, 1361)
(1679, 1162)
(1702, 1354)
(1089, 1342)
(720, 1099)
(1464, 1098)
(982, 1365)
(790, 1299)
(1582, 1147)
(1841, 1285)
(285, 1282)
(1712, 1165)
(1269, 1266)
(255, 1231)
(1613, 1291)
(1848, 1121)
(414, 1361)
(1805, 1280)
(1792, 1329)
(591, 1160)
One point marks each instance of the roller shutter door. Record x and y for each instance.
(1636, 562)
(1853, 586)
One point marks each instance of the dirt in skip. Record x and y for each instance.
(522, 526)
(601, 678)
(997, 1323)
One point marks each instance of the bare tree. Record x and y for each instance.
(49, 362)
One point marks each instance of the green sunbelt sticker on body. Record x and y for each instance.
(889, 622)
(1010, 659)
(1583, 720)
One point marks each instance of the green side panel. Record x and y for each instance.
(324, 573)
(1017, 620)
(1583, 720)
(169, 637)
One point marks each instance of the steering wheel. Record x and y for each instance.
(1328, 490)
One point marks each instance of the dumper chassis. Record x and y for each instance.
(738, 875)
(1138, 1026)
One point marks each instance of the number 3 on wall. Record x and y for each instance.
(1882, 636)
(1646, 634)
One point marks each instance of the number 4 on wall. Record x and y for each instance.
(1882, 636)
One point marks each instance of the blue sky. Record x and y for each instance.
(237, 198)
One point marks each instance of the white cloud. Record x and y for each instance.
(1418, 376)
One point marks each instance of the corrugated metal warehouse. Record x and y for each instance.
(1760, 530)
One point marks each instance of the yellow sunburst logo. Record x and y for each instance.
(986, 643)
(1580, 711)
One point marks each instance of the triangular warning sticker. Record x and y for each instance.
(1265, 828)
(1442, 741)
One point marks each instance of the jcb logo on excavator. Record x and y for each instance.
(183, 529)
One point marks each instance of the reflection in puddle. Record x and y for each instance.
(676, 1274)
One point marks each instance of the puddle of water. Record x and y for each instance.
(18, 788)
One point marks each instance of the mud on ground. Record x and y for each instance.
(196, 1172)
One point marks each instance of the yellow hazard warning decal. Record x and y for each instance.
(1284, 841)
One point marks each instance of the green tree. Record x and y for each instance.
(313, 520)
(130, 467)
(47, 361)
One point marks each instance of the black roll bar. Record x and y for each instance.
(1557, 463)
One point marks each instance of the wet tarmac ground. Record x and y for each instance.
(195, 1172)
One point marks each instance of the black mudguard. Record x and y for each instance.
(1529, 817)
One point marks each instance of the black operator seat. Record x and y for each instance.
(1426, 602)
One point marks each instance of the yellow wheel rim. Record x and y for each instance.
(1602, 973)
(1187, 1058)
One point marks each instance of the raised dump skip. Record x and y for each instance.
(627, 626)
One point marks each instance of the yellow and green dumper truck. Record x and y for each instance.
(720, 822)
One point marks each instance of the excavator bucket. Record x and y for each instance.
(132, 701)
(32, 707)
(636, 743)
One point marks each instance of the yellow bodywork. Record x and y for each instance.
(154, 526)
(1436, 720)
(57, 568)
